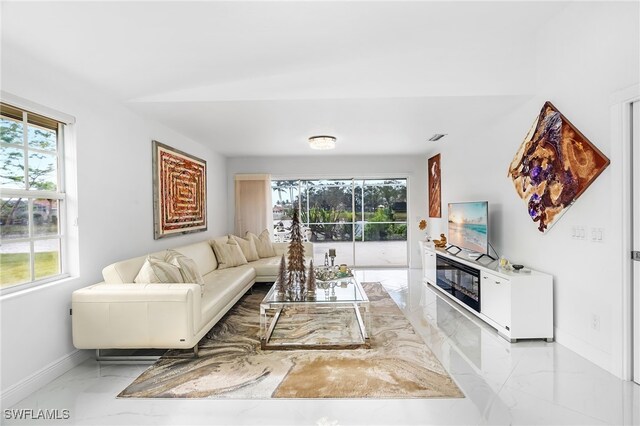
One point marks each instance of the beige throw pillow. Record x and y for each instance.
(263, 243)
(228, 254)
(156, 270)
(248, 247)
(187, 266)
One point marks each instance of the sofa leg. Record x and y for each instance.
(126, 357)
(195, 351)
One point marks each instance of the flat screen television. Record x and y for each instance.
(468, 226)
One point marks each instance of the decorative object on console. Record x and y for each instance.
(517, 267)
(504, 263)
(179, 192)
(322, 142)
(442, 242)
(554, 165)
(435, 205)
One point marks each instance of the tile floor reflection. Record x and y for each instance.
(529, 382)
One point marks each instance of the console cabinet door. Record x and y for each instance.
(430, 266)
(495, 298)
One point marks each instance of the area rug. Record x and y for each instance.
(232, 364)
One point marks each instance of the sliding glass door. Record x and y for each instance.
(381, 234)
(363, 220)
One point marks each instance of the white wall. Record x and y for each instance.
(114, 201)
(584, 55)
(412, 167)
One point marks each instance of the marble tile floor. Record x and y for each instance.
(529, 382)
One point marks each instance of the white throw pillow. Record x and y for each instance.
(248, 247)
(263, 243)
(229, 254)
(156, 270)
(188, 268)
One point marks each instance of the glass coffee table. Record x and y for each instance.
(338, 318)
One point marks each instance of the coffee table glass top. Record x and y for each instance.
(343, 290)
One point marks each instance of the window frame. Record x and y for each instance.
(30, 195)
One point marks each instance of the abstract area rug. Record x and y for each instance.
(232, 365)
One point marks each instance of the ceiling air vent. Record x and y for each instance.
(437, 137)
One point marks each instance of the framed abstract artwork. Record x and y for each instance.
(179, 192)
(554, 166)
(435, 203)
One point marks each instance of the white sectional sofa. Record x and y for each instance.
(119, 314)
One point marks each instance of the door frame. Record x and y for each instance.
(621, 102)
(635, 224)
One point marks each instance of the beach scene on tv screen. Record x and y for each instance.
(468, 226)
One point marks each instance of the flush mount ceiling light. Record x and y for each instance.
(437, 137)
(322, 142)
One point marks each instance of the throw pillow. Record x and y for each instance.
(228, 254)
(156, 270)
(263, 243)
(248, 247)
(188, 268)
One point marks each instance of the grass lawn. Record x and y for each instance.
(14, 267)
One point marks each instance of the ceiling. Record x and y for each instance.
(259, 78)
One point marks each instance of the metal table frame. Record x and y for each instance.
(359, 302)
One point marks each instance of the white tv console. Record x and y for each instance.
(519, 305)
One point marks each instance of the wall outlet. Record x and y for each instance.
(578, 233)
(595, 322)
(597, 235)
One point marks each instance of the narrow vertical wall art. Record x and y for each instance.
(435, 203)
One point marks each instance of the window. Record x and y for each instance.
(32, 202)
(365, 220)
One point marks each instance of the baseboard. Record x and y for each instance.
(585, 350)
(26, 387)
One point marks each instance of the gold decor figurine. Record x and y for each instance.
(442, 242)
